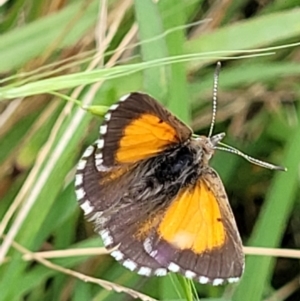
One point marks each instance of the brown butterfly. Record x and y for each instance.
(147, 185)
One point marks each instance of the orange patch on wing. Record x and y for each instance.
(193, 221)
(115, 174)
(146, 226)
(144, 137)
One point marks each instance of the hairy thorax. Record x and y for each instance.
(161, 177)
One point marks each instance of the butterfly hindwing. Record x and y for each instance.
(198, 236)
(125, 232)
(122, 221)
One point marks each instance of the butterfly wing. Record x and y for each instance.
(197, 236)
(193, 232)
(119, 220)
(136, 128)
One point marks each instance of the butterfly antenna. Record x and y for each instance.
(215, 98)
(233, 150)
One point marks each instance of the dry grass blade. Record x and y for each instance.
(274, 252)
(287, 290)
(66, 253)
(105, 284)
(32, 178)
(9, 162)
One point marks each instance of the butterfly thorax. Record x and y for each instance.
(160, 178)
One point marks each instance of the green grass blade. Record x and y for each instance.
(271, 224)
(25, 43)
(178, 96)
(250, 34)
(150, 26)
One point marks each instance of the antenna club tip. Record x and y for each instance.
(281, 168)
(217, 70)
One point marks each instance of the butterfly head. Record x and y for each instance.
(208, 145)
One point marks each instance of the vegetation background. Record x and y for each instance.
(96, 51)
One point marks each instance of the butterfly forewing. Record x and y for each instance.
(136, 128)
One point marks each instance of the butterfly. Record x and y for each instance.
(147, 186)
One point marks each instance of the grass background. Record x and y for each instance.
(97, 51)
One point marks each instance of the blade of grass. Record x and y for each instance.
(271, 224)
(12, 15)
(150, 26)
(249, 34)
(178, 97)
(35, 36)
(85, 78)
